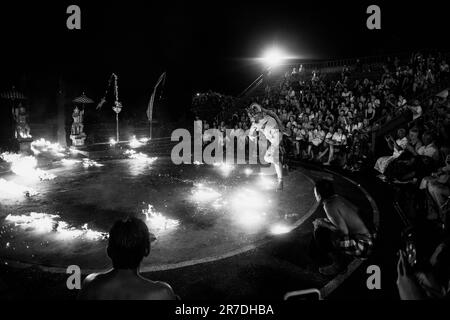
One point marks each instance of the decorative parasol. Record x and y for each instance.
(83, 99)
(13, 94)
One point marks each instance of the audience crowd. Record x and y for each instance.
(333, 118)
(330, 117)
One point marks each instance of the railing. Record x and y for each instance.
(367, 60)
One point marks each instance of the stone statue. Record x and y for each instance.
(22, 128)
(77, 134)
(77, 125)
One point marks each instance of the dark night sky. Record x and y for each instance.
(202, 45)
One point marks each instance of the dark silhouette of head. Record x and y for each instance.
(324, 189)
(129, 243)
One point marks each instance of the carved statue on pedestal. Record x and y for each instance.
(22, 130)
(76, 133)
(77, 125)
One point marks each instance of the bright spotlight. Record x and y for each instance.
(250, 219)
(274, 57)
(278, 229)
(204, 194)
(225, 168)
(266, 183)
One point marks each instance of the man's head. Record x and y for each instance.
(413, 134)
(401, 133)
(427, 138)
(324, 189)
(255, 112)
(129, 243)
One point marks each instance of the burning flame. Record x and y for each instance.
(112, 142)
(204, 194)
(87, 163)
(157, 222)
(135, 143)
(25, 166)
(12, 189)
(43, 223)
(42, 145)
(70, 162)
(224, 167)
(139, 156)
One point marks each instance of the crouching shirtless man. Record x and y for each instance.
(342, 234)
(129, 243)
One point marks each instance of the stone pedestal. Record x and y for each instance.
(78, 139)
(25, 145)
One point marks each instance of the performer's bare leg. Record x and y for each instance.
(279, 172)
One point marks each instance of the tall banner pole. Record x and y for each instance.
(151, 127)
(151, 104)
(150, 113)
(117, 128)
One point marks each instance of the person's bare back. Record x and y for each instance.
(124, 285)
(128, 245)
(344, 215)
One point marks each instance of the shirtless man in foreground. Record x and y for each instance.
(129, 243)
(342, 233)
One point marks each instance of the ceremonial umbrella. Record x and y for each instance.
(13, 94)
(83, 99)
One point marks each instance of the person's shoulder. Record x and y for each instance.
(159, 290)
(94, 279)
(87, 288)
(91, 278)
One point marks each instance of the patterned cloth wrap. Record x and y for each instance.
(357, 245)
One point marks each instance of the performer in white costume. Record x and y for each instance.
(267, 123)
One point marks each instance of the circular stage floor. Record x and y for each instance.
(197, 213)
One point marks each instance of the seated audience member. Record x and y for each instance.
(302, 136)
(328, 141)
(355, 155)
(370, 112)
(433, 283)
(338, 141)
(414, 142)
(429, 148)
(342, 233)
(315, 138)
(416, 110)
(397, 146)
(128, 244)
(412, 166)
(438, 187)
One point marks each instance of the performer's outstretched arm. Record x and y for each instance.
(277, 119)
(253, 131)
